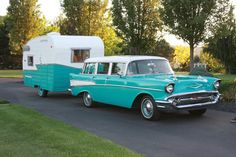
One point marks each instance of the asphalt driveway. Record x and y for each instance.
(176, 135)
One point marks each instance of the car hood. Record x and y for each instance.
(182, 83)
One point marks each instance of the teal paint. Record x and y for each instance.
(122, 91)
(51, 77)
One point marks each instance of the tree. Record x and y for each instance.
(4, 42)
(222, 44)
(84, 17)
(181, 57)
(47, 27)
(188, 19)
(90, 17)
(25, 23)
(213, 64)
(137, 23)
(113, 44)
(163, 49)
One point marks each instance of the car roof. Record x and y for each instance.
(122, 59)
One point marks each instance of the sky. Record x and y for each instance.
(51, 9)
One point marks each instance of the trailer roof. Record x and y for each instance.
(69, 41)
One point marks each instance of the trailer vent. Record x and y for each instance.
(26, 48)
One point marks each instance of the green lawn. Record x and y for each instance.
(11, 73)
(225, 77)
(26, 133)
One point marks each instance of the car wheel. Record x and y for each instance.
(148, 108)
(87, 100)
(42, 92)
(198, 112)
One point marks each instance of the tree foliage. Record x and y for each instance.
(24, 16)
(163, 49)
(213, 64)
(4, 39)
(188, 19)
(4, 42)
(222, 44)
(84, 17)
(47, 27)
(181, 57)
(90, 17)
(137, 22)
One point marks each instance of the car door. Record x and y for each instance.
(100, 82)
(116, 83)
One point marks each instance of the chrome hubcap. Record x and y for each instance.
(147, 108)
(40, 91)
(87, 99)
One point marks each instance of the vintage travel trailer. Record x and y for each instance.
(48, 60)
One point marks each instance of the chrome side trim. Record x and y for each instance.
(28, 76)
(123, 86)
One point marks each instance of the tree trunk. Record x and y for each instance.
(191, 56)
(228, 69)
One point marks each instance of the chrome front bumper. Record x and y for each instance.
(193, 100)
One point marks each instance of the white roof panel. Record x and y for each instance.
(122, 59)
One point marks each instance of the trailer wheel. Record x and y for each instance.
(42, 92)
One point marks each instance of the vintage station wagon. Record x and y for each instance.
(145, 82)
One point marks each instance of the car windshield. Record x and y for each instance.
(151, 66)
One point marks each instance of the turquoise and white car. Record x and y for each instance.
(145, 82)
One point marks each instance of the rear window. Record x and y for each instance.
(78, 56)
(89, 68)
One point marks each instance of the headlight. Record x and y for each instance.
(170, 88)
(217, 84)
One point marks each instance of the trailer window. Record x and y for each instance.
(79, 56)
(30, 60)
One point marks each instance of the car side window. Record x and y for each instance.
(118, 68)
(132, 69)
(103, 68)
(89, 68)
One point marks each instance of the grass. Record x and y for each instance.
(26, 133)
(11, 73)
(225, 77)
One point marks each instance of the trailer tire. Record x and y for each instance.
(42, 92)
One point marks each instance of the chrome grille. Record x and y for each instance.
(193, 98)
